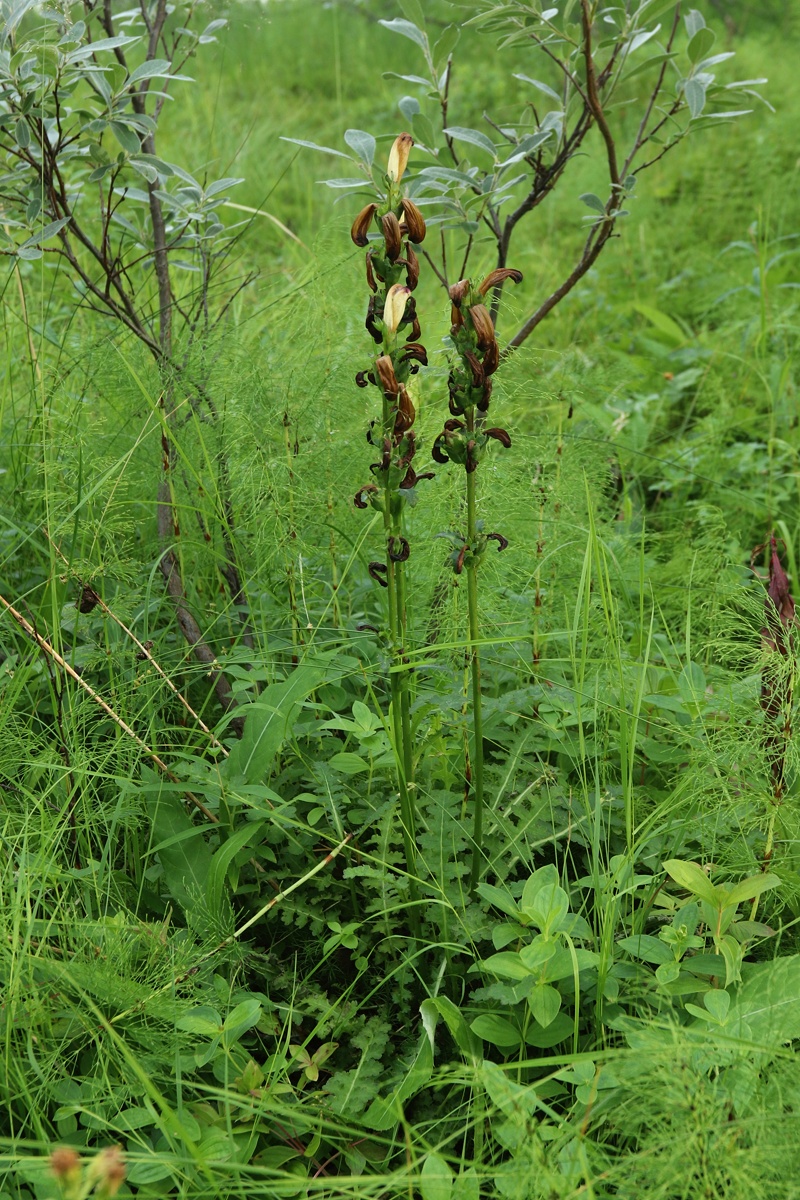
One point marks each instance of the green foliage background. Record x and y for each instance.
(654, 422)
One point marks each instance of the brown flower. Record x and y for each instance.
(499, 275)
(413, 222)
(412, 268)
(458, 291)
(386, 375)
(369, 322)
(392, 236)
(500, 435)
(360, 227)
(482, 324)
(406, 413)
(415, 351)
(491, 359)
(476, 368)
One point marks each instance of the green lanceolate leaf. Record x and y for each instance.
(269, 722)
(407, 29)
(363, 144)
(473, 136)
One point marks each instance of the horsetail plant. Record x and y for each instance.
(464, 440)
(392, 270)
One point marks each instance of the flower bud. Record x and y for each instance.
(413, 222)
(360, 227)
(395, 306)
(482, 324)
(398, 157)
(499, 276)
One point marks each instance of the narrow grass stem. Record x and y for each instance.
(475, 671)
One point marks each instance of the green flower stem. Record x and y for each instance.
(475, 669)
(401, 726)
(405, 697)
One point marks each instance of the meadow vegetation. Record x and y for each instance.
(399, 798)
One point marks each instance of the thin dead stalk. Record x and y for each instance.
(52, 653)
(91, 596)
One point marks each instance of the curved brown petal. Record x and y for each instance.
(367, 490)
(499, 435)
(377, 571)
(360, 227)
(415, 351)
(412, 268)
(413, 221)
(405, 412)
(459, 564)
(371, 284)
(437, 451)
(499, 275)
(369, 322)
(392, 236)
(481, 320)
(388, 380)
(458, 291)
(475, 367)
(410, 449)
(483, 402)
(403, 552)
(416, 332)
(498, 537)
(491, 359)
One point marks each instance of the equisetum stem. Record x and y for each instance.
(475, 669)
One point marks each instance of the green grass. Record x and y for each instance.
(324, 1049)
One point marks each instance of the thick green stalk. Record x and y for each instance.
(475, 669)
(405, 698)
(400, 726)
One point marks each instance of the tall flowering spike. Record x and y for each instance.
(361, 225)
(398, 157)
(395, 306)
